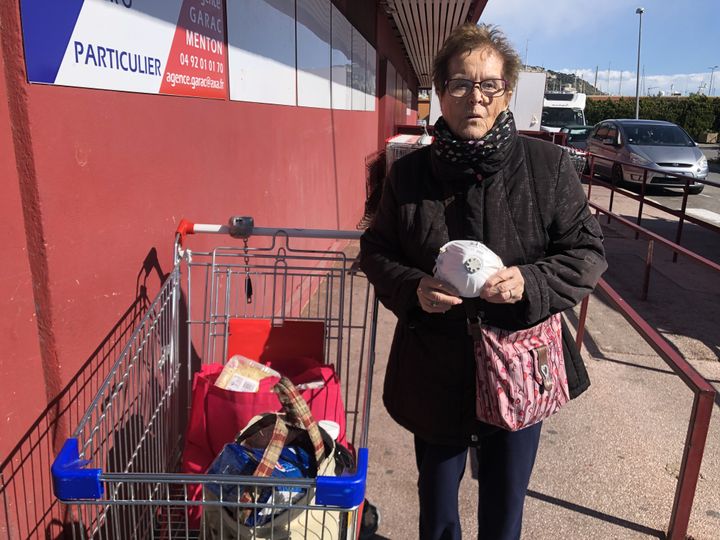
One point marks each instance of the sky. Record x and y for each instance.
(680, 41)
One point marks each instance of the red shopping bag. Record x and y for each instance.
(218, 415)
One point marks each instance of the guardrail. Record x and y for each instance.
(680, 214)
(652, 238)
(28, 509)
(699, 423)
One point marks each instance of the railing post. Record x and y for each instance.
(648, 267)
(681, 221)
(581, 322)
(642, 202)
(690, 467)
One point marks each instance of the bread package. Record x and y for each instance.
(241, 374)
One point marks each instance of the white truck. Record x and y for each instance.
(526, 103)
(562, 109)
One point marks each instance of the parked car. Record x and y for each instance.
(577, 135)
(661, 146)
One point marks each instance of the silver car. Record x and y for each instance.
(661, 146)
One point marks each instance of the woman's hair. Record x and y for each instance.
(468, 37)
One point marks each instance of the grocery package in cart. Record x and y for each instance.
(278, 297)
(398, 146)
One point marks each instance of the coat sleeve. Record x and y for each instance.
(381, 255)
(575, 257)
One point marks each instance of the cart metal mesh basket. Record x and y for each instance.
(402, 145)
(577, 157)
(119, 473)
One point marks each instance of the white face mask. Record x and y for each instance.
(466, 265)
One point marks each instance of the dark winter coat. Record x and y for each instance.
(430, 379)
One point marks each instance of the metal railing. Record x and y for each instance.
(25, 475)
(704, 393)
(652, 238)
(680, 214)
(699, 423)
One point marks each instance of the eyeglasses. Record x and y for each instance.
(460, 88)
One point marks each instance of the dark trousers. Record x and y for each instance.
(505, 462)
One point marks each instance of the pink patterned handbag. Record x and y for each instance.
(520, 376)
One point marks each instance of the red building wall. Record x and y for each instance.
(110, 174)
(392, 107)
(94, 184)
(22, 389)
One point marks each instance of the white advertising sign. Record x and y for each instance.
(168, 47)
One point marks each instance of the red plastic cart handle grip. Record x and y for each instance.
(184, 228)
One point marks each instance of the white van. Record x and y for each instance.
(562, 109)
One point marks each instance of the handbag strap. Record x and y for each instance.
(455, 223)
(297, 410)
(267, 464)
(532, 173)
(474, 322)
(299, 413)
(472, 313)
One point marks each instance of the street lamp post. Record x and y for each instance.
(712, 72)
(638, 11)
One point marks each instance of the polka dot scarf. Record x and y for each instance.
(485, 155)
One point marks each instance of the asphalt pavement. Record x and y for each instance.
(609, 461)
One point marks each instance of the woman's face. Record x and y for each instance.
(472, 116)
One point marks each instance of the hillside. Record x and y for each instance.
(557, 80)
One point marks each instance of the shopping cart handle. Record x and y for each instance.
(71, 480)
(344, 491)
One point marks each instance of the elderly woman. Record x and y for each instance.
(479, 180)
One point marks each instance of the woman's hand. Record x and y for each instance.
(436, 296)
(504, 287)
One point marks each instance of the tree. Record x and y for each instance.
(696, 114)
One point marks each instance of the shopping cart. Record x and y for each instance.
(577, 157)
(119, 473)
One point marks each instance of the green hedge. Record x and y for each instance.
(697, 114)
